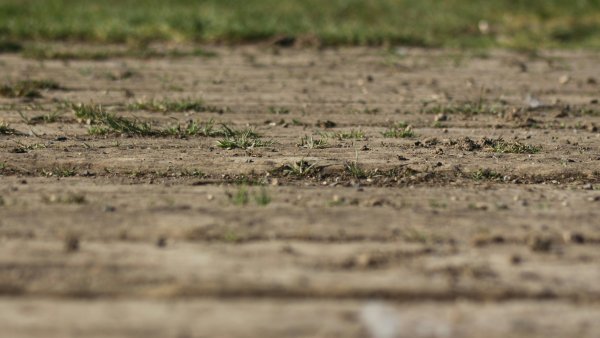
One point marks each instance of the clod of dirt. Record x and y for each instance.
(482, 240)
(573, 237)
(541, 244)
(325, 124)
(516, 259)
(591, 127)
(467, 144)
(283, 41)
(71, 243)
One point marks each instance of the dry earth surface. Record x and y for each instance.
(480, 218)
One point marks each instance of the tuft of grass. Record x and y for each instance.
(60, 172)
(485, 174)
(399, 130)
(516, 147)
(354, 169)
(165, 106)
(194, 128)
(92, 113)
(23, 148)
(301, 168)
(241, 196)
(312, 143)
(348, 135)
(5, 129)
(29, 89)
(127, 126)
(43, 118)
(262, 198)
(242, 139)
(102, 123)
(106, 123)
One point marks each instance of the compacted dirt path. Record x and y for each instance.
(384, 193)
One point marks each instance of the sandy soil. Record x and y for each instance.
(444, 236)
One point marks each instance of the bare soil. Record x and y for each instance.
(445, 235)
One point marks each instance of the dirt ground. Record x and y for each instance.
(484, 221)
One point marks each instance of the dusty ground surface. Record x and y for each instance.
(444, 233)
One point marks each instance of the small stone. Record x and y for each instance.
(161, 242)
(588, 186)
(441, 117)
(288, 249)
(516, 259)
(71, 243)
(564, 79)
(363, 261)
(573, 237)
(109, 208)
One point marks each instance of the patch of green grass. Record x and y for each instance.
(50, 53)
(312, 143)
(354, 169)
(106, 122)
(98, 130)
(60, 172)
(89, 112)
(262, 198)
(5, 129)
(452, 23)
(516, 147)
(165, 106)
(102, 122)
(301, 168)
(43, 118)
(28, 88)
(485, 174)
(241, 196)
(350, 135)
(466, 108)
(399, 130)
(127, 126)
(195, 128)
(438, 124)
(242, 139)
(25, 148)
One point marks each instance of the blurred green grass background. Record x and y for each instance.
(519, 24)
